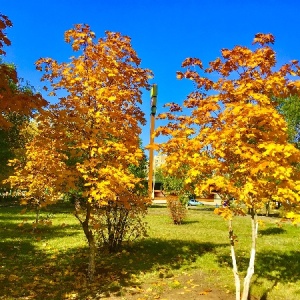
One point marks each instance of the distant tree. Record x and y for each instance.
(174, 184)
(234, 138)
(290, 108)
(12, 143)
(18, 102)
(175, 191)
(14, 97)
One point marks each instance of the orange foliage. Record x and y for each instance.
(13, 98)
(4, 23)
(96, 125)
(233, 137)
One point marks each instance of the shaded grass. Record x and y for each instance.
(51, 262)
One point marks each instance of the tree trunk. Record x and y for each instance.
(234, 264)
(250, 270)
(91, 241)
(92, 255)
(92, 250)
(267, 209)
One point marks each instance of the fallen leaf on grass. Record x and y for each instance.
(13, 277)
(205, 292)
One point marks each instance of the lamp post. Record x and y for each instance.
(153, 96)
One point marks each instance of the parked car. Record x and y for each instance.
(194, 202)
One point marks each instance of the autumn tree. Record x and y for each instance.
(93, 131)
(232, 137)
(18, 103)
(14, 97)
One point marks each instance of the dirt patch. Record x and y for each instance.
(189, 286)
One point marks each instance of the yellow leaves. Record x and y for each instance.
(175, 284)
(224, 212)
(153, 146)
(226, 53)
(112, 98)
(13, 277)
(71, 295)
(295, 217)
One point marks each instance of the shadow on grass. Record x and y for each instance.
(37, 274)
(158, 205)
(272, 231)
(27, 232)
(274, 266)
(189, 222)
(120, 270)
(207, 208)
(278, 266)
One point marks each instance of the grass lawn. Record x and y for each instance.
(189, 261)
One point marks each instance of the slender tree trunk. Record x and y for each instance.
(37, 215)
(92, 256)
(234, 264)
(250, 270)
(267, 209)
(91, 242)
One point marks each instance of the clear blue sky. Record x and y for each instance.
(163, 33)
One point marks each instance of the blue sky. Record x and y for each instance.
(163, 33)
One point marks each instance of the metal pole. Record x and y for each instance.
(151, 151)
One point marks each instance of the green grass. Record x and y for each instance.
(51, 262)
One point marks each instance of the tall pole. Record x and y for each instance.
(151, 151)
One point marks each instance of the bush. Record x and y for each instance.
(116, 224)
(177, 209)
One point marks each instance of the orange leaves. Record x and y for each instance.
(80, 36)
(14, 98)
(225, 53)
(179, 75)
(97, 123)
(13, 277)
(235, 138)
(262, 39)
(224, 212)
(192, 62)
(112, 98)
(173, 107)
(4, 23)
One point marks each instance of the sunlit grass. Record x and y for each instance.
(50, 262)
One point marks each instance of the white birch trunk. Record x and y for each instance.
(250, 270)
(234, 264)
